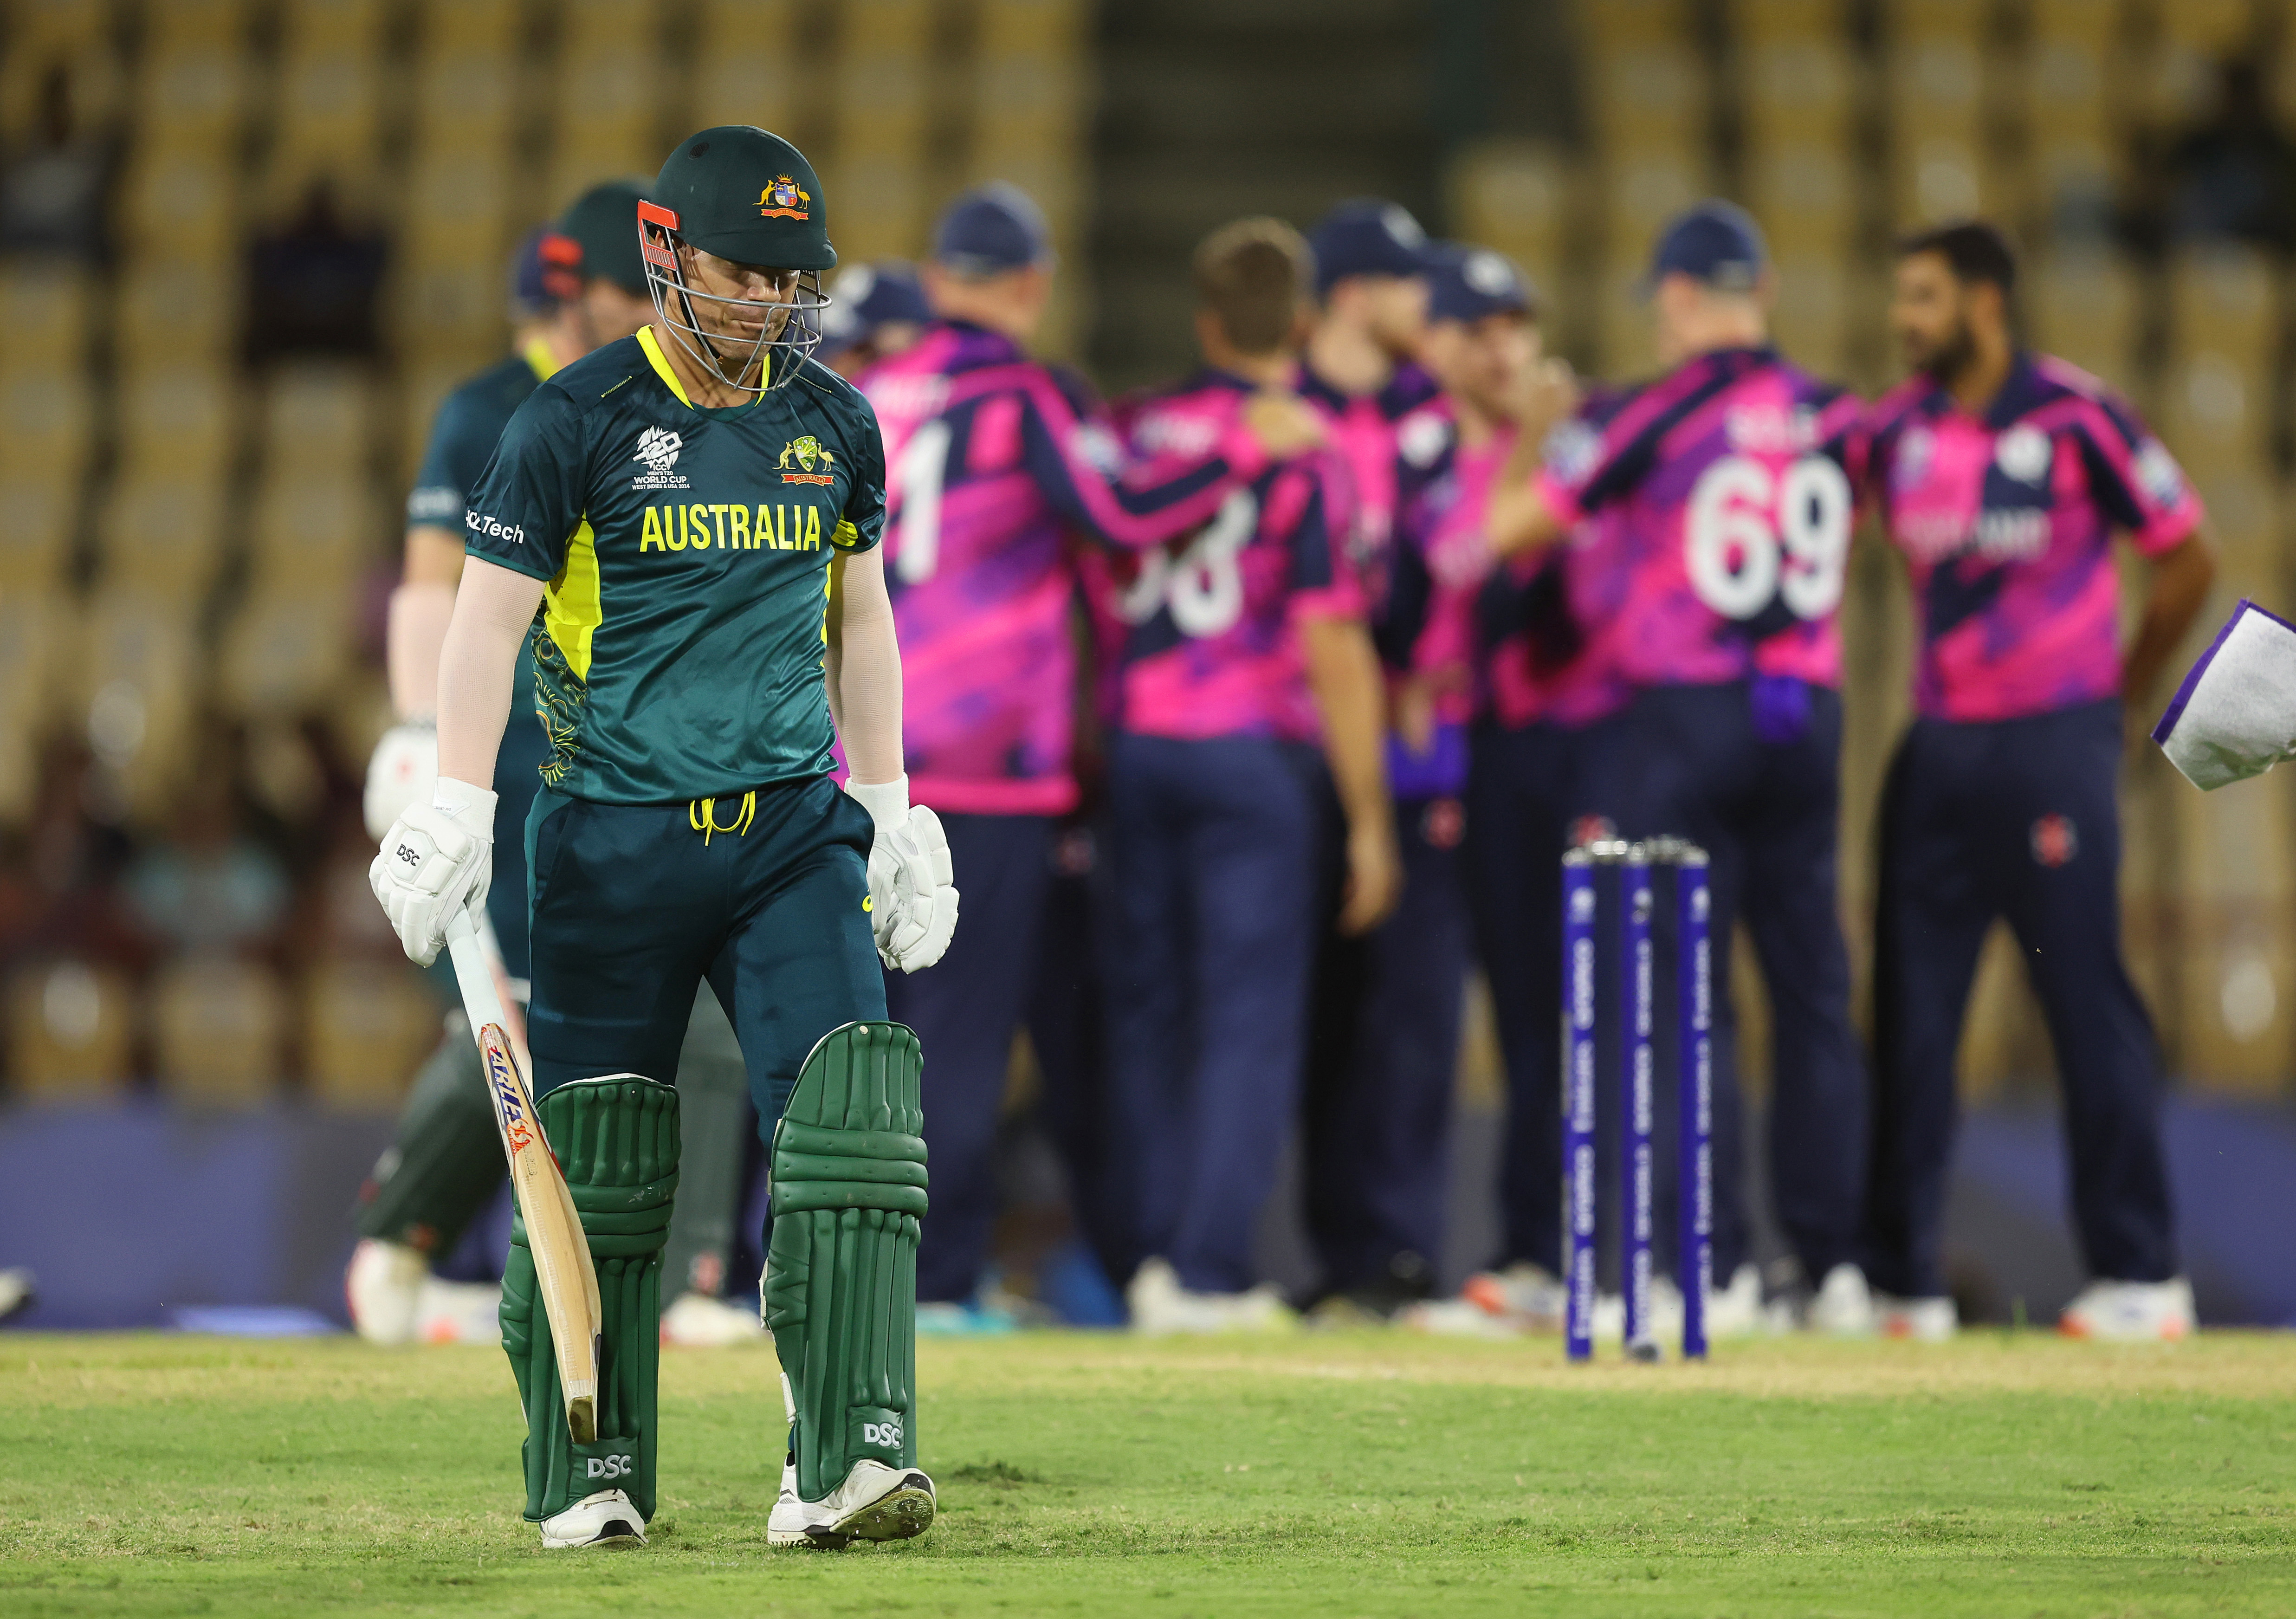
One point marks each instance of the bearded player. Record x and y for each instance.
(681, 531)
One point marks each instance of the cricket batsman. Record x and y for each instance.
(680, 531)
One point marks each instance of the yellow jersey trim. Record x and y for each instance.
(662, 368)
(572, 610)
(537, 355)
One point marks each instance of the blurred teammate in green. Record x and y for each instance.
(576, 283)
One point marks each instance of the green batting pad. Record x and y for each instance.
(446, 1160)
(848, 1188)
(617, 1139)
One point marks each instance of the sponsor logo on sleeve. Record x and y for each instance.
(487, 527)
(1572, 449)
(434, 502)
(809, 454)
(2158, 473)
(658, 448)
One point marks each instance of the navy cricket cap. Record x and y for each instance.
(990, 229)
(1715, 242)
(602, 224)
(868, 296)
(1465, 284)
(530, 276)
(1366, 237)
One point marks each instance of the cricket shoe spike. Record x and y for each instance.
(383, 1287)
(2130, 1312)
(697, 1320)
(874, 1503)
(605, 1518)
(1924, 1320)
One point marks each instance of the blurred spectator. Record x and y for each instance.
(209, 886)
(58, 886)
(51, 186)
(312, 285)
(2232, 175)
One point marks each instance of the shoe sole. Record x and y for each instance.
(900, 1514)
(612, 1540)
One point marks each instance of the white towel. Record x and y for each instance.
(2235, 716)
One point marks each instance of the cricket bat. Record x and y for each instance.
(553, 1232)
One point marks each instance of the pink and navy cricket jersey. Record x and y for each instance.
(1211, 644)
(994, 461)
(2006, 523)
(1369, 430)
(1727, 488)
(1513, 643)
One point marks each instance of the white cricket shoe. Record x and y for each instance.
(1843, 1307)
(17, 1290)
(1161, 1308)
(874, 1503)
(383, 1287)
(459, 1312)
(1521, 1299)
(1735, 1311)
(599, 1519)
(701, 1320)
(1924, 1320)
(1664, 1327)
(2130, 1312)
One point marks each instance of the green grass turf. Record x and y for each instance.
(1317, 1475)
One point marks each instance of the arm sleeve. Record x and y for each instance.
(529, 501)
(863, 524)
(1323, 584)
(2136, 481)
(1083, 470)
(1590, 462)
(453, 460)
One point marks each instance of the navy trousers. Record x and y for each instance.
(633, 907)
(1382, 1066)
(1207, 957)
(1520, 799)
(964, 1009)
(1687, 760)
(2017, 818)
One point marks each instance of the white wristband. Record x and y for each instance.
(471, 808)
(887, 802)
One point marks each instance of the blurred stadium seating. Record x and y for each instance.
(200, 535)
(190, 536)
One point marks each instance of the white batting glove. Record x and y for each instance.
(912, 881)
(437, 860)
(404, 770)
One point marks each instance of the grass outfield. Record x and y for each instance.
(1326, 1476)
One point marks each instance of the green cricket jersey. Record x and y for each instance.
(677, 654)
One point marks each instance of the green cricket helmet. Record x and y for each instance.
(600, 238)
(747, 196)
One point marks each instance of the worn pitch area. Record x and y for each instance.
(1346, 1475)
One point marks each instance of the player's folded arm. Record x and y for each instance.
(1083, 468)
